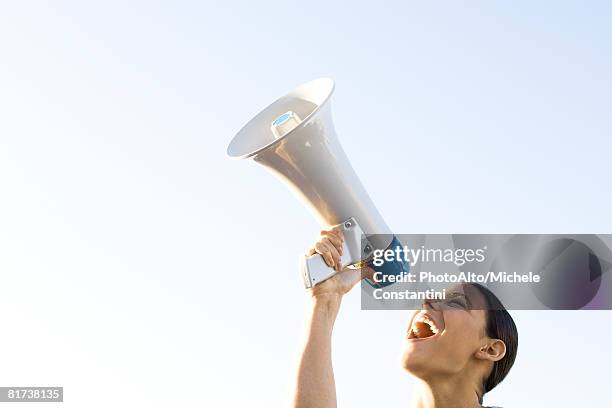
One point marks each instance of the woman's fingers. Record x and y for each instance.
(335, 231)
(329, 252)
(329, 247)
(333, 252)
(335, 237)
(335, 255)
(323, 249)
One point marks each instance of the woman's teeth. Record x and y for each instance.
(423, 327)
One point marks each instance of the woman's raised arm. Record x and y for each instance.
(315, 386)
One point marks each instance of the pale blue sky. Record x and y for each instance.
(141, 267)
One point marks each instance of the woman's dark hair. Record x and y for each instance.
(499, 325)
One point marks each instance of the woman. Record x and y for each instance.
(458, 349)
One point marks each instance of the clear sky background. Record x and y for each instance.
(141, 267)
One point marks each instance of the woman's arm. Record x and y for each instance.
(315, 379)
(315, 386)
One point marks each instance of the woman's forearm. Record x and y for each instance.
(315, 380)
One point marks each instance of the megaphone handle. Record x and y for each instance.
(314, 270)
(355, 247)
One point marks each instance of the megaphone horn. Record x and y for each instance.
(295, 139)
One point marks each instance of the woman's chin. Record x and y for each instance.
(413, 364)
(413, 358)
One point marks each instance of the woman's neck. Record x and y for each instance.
(449, 392)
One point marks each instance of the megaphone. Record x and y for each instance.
(294, 138)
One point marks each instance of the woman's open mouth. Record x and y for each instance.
(422, 327)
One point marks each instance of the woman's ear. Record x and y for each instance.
(494, 350)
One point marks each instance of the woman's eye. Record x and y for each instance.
(456, 302)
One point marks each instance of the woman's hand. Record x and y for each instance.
(329, 246)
